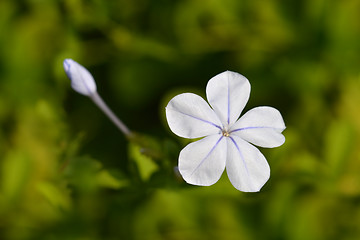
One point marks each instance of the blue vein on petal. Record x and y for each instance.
(247, 128)
(241, 156)
(82, 79)
(228, 98)
(211, 150)
(198, 119)
(243, 159)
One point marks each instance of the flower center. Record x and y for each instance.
(225, 133)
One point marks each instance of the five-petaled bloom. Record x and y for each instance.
(227, 141)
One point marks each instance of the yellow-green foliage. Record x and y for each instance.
(67, 173)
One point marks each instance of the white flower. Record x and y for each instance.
(81, 80)
(227, 141)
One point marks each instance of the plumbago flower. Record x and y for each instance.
(226, 140)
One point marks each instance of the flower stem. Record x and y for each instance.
(118, 123)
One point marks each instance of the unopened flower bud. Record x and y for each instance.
(81, 79)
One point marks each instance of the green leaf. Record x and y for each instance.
(105, 179)
(54, 195)
(15, 174)
(145, 164)
(338, 145)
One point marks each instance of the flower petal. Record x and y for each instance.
(261, 126)
(228, 93)
(81, 79)
(190, 116)
(246, 167)
(202, 162)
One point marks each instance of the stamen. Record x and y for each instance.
(225, 133)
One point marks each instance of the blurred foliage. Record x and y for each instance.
(67, 173)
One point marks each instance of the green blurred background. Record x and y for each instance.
(67, 173)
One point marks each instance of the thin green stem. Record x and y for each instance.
(118, 123)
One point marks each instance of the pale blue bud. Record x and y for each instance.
(81, 79)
